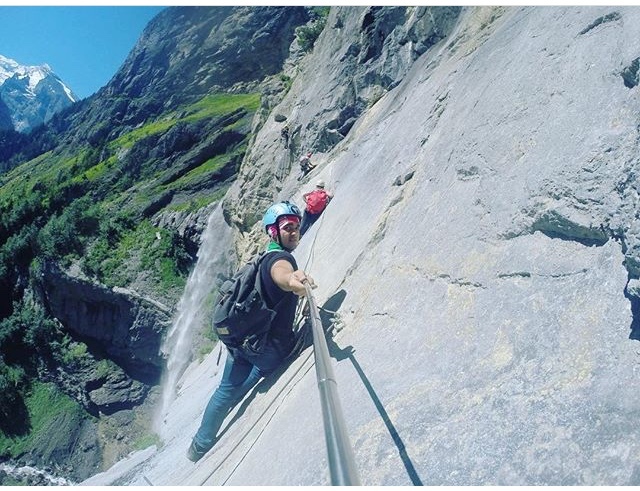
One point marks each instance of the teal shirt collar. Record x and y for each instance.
(274, 246)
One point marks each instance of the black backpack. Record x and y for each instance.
(241, 313)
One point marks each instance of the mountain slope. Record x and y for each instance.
(101, 211)
(184, 54)
(480, 253)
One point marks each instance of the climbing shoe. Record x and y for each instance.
(195, 453)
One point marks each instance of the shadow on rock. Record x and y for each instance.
(632, 292)
(327, 315)
(14, 416)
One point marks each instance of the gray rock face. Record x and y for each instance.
(189, 224)
(480, 243)
(117, 391)
(187, 52)
(361, 54)
(124, 325)
(5, 117)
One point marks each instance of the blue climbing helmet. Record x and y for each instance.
(278, 210)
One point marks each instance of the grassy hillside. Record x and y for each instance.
(93, 207)
(56, 205)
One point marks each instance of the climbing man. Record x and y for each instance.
(282, 284)
(284, 134)
(316, 201)
(305, 165)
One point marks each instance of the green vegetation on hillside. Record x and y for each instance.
(307, 34)
(118, 255)
(94, 207)
(27, 339)
(46, 407)
(57, 204)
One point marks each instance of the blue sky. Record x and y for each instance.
(83, 45)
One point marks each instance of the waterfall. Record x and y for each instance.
(190, 314)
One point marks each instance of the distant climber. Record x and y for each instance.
(305, 165)
(284, 134)
(315, 203)
(255, 357)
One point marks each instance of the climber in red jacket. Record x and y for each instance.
(316, 201)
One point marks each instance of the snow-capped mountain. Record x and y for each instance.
(30, 95)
